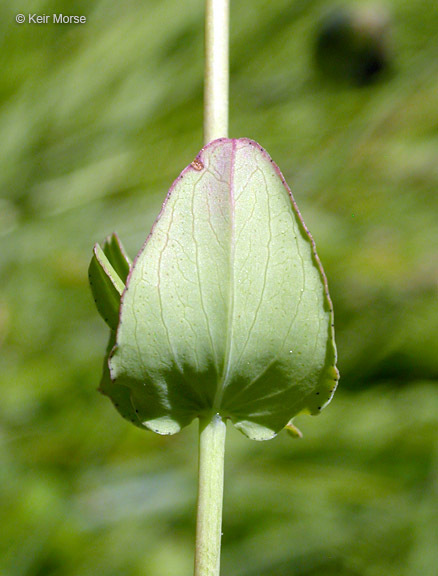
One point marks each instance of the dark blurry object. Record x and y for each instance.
(353, 44)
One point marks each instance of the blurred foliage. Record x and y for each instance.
(95, 123)
(353, 44)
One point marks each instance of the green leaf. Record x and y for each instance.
(226, 309)
(120, 261)
(119, 395)
(108, 271)
(106, 284)
(293, 431)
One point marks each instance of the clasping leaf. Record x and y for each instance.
(226, 307)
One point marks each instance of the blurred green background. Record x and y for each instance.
(96, 121)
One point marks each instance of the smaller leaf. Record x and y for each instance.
(293, 431)
(117, 256)
(255, 431)
(120, 396)
(106, 286)
(108, 271)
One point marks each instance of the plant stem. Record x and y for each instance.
(210, 496)
(212, 432)
(216, 73)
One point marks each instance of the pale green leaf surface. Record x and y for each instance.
(226, 307)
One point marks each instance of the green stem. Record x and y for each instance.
(210, 496)
(216, 74)
(212, 432)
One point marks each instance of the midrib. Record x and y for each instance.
(223, 378)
